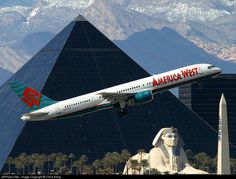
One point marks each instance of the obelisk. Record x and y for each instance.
(223, 159)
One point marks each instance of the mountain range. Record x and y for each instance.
(159, 35)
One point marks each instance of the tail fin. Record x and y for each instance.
(33, 99)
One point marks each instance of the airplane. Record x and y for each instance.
(132, 93)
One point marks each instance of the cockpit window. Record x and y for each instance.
(210, 67)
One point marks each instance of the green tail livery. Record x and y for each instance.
(33, 99)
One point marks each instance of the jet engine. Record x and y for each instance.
(141, 98)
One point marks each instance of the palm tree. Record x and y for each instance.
(97, 164)
(108, 161)
(10, 161)
(203, 161)
(134, 166)
(18, 164)
(76, 164)
(33, 159)
(24, 159)
(52, 159)
(39, 163)
(189, 155)
(125, 156)
(141, 151)
(64, 159)
(64, 170)
(58, 162)
(88, 169)
(116, 160)
(71, 157)
(153, 171)
(49, 159)
(44, 159)
(144, 164)
(214, 164)
(30, 164)
(233, 166)
(83, 159)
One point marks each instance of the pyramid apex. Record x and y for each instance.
(80, 18)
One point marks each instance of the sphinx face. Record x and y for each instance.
(170, 139)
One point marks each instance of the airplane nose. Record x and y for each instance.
(218, 70)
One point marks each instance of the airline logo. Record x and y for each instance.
(31, 97)
(175, 77)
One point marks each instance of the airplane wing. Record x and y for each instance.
(115, 96)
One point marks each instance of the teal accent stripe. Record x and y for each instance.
(19, 90)
(16, 85)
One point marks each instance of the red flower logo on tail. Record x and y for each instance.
(31, 97)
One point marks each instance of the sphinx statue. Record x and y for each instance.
(167, 155)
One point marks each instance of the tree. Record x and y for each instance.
(141, 151)
(87, 169)
(107, 161)
(152, 171)
(134, 166)
(116, 160)
(58, 162)
(30, 164)
(71, 157)
(64, 170)
(189, 155)
(83, 159)
(33, 159)
(39, 163)
(10, 161)
(97, 164)
(125, 156)
(76, 164)
(203, 161)
(233, 166)
(51, 159)
(144, 164)
(24, 159)
(18, 164)
(64, 159)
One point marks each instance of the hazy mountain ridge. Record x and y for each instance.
(4, 74)
(213, 18)
(166, 50)
(10, 60)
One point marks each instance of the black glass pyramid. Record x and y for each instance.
(79, 60)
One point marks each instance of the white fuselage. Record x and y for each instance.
(94, 101)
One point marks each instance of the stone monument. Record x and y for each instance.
(167, 155)
(223, 156)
